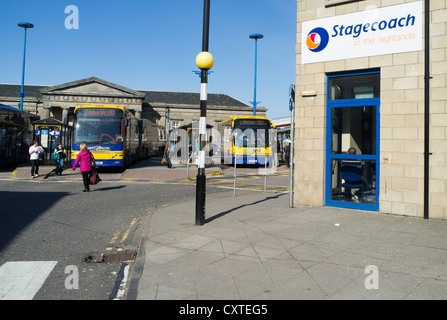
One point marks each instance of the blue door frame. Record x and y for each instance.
(331, 105)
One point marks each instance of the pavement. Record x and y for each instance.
(253, 246)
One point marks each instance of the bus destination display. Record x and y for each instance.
(251, 122)
(97, 112)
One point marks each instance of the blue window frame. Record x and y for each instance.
(353, 125)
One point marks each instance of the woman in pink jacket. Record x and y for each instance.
(84, 157)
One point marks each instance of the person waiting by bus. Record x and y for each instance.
(59, 155)
(170, 148)
(84, 158)
(34, 152)
(287, 153)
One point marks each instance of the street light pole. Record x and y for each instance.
(255, 36)
(204, 61)
(292, 144)
(25, 25)
(168, 125)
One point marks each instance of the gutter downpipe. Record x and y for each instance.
(427, 110)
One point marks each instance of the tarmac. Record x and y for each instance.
(253, 246)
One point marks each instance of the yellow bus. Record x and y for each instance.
(247, 140)
(114, 135)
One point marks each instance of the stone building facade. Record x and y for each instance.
(56, 101)
(360, 83)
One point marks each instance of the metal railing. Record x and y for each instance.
(234, 176)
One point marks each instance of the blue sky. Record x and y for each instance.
(152, 45)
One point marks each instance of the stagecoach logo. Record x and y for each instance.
(100, 148)
(317, 39)
(253, 150)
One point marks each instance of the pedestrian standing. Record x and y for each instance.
(171, 148)
(84, 158)
(287, 153)
(34, 153)
(59, 156)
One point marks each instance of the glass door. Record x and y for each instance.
(352, 135)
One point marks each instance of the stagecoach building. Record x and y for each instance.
(371, 105)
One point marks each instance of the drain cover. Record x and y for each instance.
(120, 257)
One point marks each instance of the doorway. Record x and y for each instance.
(352, 140)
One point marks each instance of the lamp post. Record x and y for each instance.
(168, 124)
(255, 36)
(427, 78)
(25, 25)
(204, 61)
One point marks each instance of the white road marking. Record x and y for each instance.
(21, 280)
(122, 288)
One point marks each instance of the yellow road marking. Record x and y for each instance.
(115, 237)
(126, 234)
(122, 174)
(255, 187)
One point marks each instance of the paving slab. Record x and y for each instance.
(253, 246)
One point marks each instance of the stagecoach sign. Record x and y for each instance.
(367, 33)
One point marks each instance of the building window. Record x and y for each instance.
(175, 124)
(364, 86)
(354, 126)
(161, 134)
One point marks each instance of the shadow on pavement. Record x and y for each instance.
(242, 206)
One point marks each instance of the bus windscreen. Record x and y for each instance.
(251, 133)
(98, 126)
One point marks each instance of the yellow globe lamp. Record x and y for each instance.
(204, 60)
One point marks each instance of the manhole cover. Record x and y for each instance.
(111, 257)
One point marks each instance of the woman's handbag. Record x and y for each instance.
(55, 157)
(41, 154)
(94, 177)
(164, 160)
